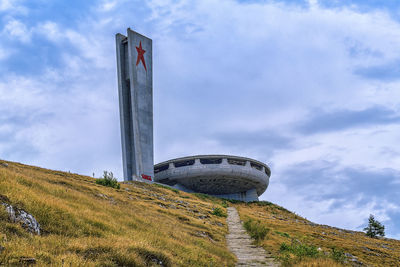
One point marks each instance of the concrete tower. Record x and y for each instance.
(135, 88)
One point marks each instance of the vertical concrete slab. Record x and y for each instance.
(135, 88)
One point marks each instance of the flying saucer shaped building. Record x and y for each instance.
(230, 177)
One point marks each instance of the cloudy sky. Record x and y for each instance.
(312, 88)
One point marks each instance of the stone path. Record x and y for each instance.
(240, 243)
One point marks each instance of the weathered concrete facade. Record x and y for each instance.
(135, 88)
(223, 176)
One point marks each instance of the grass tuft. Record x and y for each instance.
(203, 196)
(218, 212)
(300, 250)
(108, 180)
(154, 257)
(255, 229)
(176, 191)
(282, 234)
(338, 255)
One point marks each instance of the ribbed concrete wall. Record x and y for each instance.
(224, 176)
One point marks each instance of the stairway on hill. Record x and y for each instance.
(241, 244)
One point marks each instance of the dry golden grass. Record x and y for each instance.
(318, 262)
(286, 227)
(85, 224)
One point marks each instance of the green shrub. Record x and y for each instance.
(218, 212)
(296, 251)
(282, 234)
(338, 255)
(255, 229)
(300, 250)
(285, 247)
(108, 180)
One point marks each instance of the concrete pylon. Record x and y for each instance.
(135, 88)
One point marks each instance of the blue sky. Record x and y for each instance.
(309, 87)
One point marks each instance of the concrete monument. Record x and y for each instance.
(224, 176)
(135, 88)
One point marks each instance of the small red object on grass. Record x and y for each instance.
(146, 177)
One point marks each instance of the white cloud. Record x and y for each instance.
(4, 53)
(365, 146)
(5, 4)
(50, 30)
(17, 29)
(108, 5)
(91, 46)
(313, 3)
(12, 6)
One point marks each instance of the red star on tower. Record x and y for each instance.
(140, 55)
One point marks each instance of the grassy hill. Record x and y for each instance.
(83, 223)
(297, 241)
(88, 224)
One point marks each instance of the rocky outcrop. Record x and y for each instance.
(3, 164)
(17, 215)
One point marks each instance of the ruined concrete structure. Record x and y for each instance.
(135, 88)
(224, 176)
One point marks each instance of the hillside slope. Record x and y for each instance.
(297, 241)
(83, 223)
